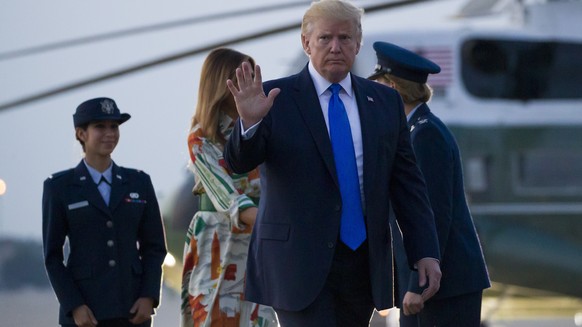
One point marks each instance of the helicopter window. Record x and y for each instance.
(476, 172)
(550, 170)
(522, 70)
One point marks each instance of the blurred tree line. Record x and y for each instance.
(21, 264)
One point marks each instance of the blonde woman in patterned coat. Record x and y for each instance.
(218, 237)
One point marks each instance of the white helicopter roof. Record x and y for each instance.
(453, 101)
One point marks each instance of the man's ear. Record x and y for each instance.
(305, 43)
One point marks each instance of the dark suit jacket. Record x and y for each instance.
(294, 238)
(105, 268)
(462, 264)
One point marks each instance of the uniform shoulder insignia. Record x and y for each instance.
(141, 172)
(133, 170)
(60, 174)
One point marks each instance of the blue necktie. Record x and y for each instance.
(104, 188)
(352, 228)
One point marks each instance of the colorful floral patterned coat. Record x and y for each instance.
(217, 242)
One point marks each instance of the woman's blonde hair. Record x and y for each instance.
(214, 97)
(411, 92)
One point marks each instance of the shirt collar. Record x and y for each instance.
(412, 112)
(96, 175)
(321, 84)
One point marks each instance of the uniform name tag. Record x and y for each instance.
(78, 205)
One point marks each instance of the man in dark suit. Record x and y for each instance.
(110, 218)
(313, 263)
(464, 273)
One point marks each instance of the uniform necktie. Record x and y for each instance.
(104, 180)
(104, 188)
(352, 228)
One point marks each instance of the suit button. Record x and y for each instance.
(337, 207)
(109, 223)
(111, 263)
(110, 243)
(330, 245)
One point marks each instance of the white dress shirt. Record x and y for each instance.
(349, 99)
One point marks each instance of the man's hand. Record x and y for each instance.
(429, 268)
(412, 303)
(84, 317)
(141, 310)
(251, 103)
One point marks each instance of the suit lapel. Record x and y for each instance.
(370, 133)
(119, 186)
(88, 189)
(308, 105)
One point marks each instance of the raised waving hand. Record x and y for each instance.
(251, 102)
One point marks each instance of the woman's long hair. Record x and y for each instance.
(214, 96)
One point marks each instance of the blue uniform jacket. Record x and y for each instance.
(115, 252)
(462, 263)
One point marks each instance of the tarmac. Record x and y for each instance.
(33, 307)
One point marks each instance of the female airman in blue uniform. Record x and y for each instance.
(464, 274)
(110, 219)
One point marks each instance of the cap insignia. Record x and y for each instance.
(107, 106)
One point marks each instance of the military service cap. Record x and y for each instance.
(403, 63)
(98, 109)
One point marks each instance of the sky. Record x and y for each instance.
(37, 139)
